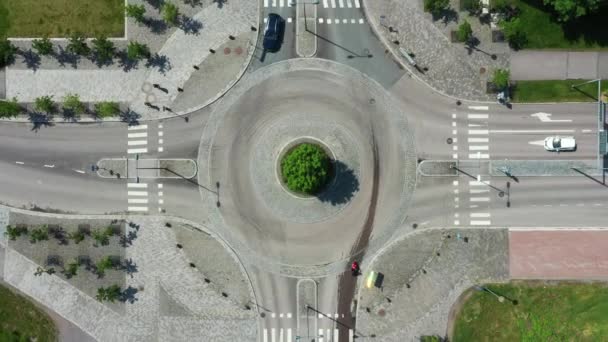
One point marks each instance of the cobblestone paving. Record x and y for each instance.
(424, 274)
(163, 276)
(452, 69)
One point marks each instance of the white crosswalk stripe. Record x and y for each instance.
(333, 3)
(137, 150)
(479, 107)
(341, 3)
(349, 3)
(281, 3)
(137, 185)
(357, 4)
(265, 3)
(477, 116)
(478, 147)
(138, 127)
(137, 135)
(325, 3)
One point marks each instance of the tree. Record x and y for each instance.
(110, 294)
(435, 7)
(43, 46)
(137, 51)
(7, 52)
(39, 234)
(568, 10)
(72, 103)
(77, 44)
(107, 109)
(104, 49)
(136, 12)
(306, 168)
(501, 78)
(170, 13)
(465, 32)
(14, 232)
(45, 104)
(514, 33)
(104, 264)
(10, 108)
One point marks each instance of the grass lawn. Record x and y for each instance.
(59, 18)
(564, 312)
(545, 32)
(556, 91)
(20, 317)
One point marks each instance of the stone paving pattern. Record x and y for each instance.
(435, 280)
(452, 69)
(204, 312)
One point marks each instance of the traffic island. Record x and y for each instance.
(136, 168)
(306, 28)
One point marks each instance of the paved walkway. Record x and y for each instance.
(558, 65)
(452, 69)
(176, 53)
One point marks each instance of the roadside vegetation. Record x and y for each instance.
(306, 169)
(535, 311)
(21, 320)
(555, 91)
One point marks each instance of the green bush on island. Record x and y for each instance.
(306, 169)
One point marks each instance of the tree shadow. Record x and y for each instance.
(129, 267)
(39, 120)
(130, 117)
(446, 16)
(471, 45)
(190, 25)
(345, 186)
(193, 3)
(128, 295)
(65, 57)
(125, 62)
(156, 3)
(69, 115)
(157, 26)
(159, 61)
(101, 62)
(31, 59)
(220, 3)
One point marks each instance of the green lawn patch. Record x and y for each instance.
(563, 312)
(59, 18)
(556, 91)
(543, 31)
(21, 320)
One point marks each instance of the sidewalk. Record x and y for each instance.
(558, 65)
(175, 53)
(452, 70)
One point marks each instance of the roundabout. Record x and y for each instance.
(273, 110)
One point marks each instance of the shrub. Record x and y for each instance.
(77, 236)
(10, 108)
(14, 232)
(77, 44)
(45, 104)
(43, 46)
(501, 78)
(7, 52)
(72, 268)
(104, 49)
(170, 13)
(306, 168)
(39, 234)
(107, 109)
(465, 32)
(137, 51)
(72, 103)
(103, 265)
(100, 237)
(436, 6)
(110, 294)
(514, 33)
(136, 12)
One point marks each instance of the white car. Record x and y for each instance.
(559, 144)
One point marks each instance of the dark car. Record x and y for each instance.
(273, 32)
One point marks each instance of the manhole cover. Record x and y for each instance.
(238, 50)
(449, 141)
(226, 51)
(262, 315)
(482, 70)
(381, 313)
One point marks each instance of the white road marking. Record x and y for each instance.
(265, 20)
(480, 215)
(454, 132)
(161, 201)
(273, 315)
(478, 131)
(265, 335)
(336, 332)
(289, 19)
(455, 148)
(480, 223)
(333, 3)
(479, 156)
(134, 128)
(476, 125)
(455, 156)
(480, 199)
(320, 20)
(325, 4)
(454, 140)
(546, 117)
(160, 133)
(137, 150)
(498, 131)
(478, 183)
(137, 185)
(160, 141)
(281, 335)
(478, 191)
(320, 335)
(160, 194)
(336, 21)
(265, 3)
(477, 140)
(453, 124)
(349, 3)
(137, 193)
(281, 3)
(289, 315)
(479, 107)
(289, 335)
(455, 183)
(20, 163)
(537, 142)
(160, 125)
(478, 148)
(357, 4)
(587, 131)
(79, 171)
(274, 3)
(137, 135)
(351, 335)
(138, 200)
(137, 142)
(160, 186)
(137, 208)
(361, 21)
(161, 149)
(344, 21)
(477, 116)
(273, 336)
(328, 21)
(49, 166)
(341, 3)
(453, 115)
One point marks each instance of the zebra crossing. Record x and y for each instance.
(324, 3)
(330, 21)
(287, 334)
(139, 196)
(137, 139)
